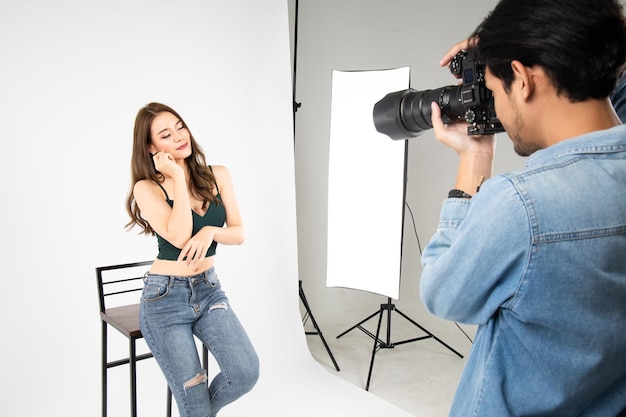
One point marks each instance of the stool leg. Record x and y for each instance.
(169, 402)
(133, 378)
(104, 369)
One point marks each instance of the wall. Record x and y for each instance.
(370, 35)
(73, 75)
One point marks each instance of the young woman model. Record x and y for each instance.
(186, 203)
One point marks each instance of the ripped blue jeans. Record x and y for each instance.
(173, 310)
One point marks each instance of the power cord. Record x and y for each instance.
(419, 246)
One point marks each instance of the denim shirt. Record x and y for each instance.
(537, 259)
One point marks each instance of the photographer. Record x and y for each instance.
(537, 258)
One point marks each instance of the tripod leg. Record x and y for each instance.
(317, 329)
(358, 324)
(429, 333)
(374, 350)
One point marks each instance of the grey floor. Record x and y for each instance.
(419, 377)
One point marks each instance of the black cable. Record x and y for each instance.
(462, 331)
(419, 245)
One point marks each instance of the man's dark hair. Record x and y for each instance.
(581, 44)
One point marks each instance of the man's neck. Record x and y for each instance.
(565, 120)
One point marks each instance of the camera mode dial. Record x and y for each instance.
(470, 116)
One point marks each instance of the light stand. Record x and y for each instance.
(389, 307)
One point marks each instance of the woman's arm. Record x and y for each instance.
(175, 223)
(231, 234)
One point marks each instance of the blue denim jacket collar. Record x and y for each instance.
(604, 141)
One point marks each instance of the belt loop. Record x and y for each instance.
(145, 276)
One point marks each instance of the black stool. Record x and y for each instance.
(119, 287)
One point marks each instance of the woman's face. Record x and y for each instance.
(170, 135)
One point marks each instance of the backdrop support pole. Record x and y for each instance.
(389, 307)
(296, 106)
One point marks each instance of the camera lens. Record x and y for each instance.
(416, 110)
(388, 117)
(407, 113)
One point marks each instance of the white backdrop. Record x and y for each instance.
(72, 77)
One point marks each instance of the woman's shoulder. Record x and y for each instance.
(222, 177)
(147, 187)
(220, 171)
(218, 168)
(144, 185)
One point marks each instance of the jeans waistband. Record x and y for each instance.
(179, 280)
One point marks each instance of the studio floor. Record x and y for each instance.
(419, 377)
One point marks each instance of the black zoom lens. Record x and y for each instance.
(407, 113)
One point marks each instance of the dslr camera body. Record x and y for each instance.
(407, 113)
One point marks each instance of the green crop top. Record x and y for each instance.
(214, 216)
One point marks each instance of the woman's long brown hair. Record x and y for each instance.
(201, 180)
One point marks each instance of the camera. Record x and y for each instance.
(407, 113)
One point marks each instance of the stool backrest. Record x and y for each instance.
(120, 284)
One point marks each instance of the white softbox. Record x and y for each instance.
(365, 185)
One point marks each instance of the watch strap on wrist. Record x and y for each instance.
(455, 193)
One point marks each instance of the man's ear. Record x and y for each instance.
(524, 80)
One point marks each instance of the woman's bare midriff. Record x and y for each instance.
(181, 269)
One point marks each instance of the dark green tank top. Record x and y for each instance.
(214, 216)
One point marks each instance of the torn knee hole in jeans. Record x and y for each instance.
(221, 305)
(200, 378)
